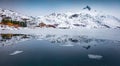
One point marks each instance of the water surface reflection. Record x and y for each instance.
(57, 50)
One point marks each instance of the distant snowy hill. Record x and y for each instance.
(86, 18)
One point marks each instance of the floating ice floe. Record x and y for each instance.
(16, 52)
(92, 56)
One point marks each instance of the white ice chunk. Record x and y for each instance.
(16, 52)
(92, 56)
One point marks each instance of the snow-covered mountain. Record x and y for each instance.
(16, 16)
(13, 15)
(86, 18)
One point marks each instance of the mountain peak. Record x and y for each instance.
(87, 7)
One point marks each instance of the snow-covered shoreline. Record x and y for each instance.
(111, 34)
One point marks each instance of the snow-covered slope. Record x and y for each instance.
(13, 15)
(17, 17)
(84, 18)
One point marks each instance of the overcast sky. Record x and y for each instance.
(44, 7)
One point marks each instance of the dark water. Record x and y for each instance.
(53, 50)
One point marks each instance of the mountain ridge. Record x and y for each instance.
(88, 19)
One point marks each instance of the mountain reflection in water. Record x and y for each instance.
(62, 40)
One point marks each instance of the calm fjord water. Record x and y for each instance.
(53, 50)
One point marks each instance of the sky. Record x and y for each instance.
(45, 7)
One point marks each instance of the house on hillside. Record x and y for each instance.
(41, 25)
